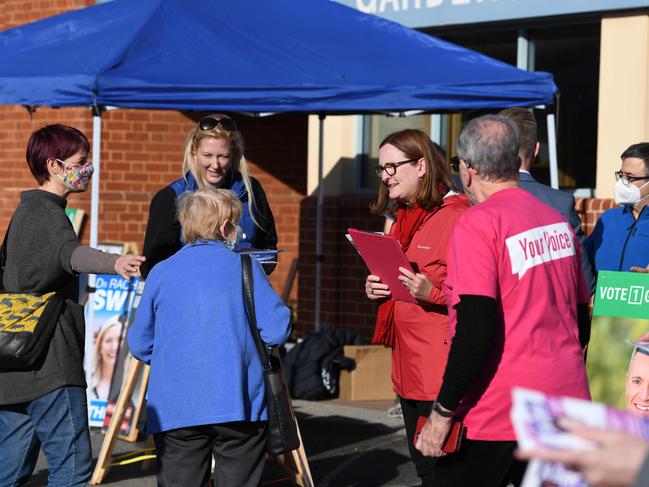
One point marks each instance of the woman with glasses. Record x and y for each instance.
(620, 240)
(417, 188)
(212, 157)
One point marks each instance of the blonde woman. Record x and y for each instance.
(206, 389)
(106, 350)
(213, 157)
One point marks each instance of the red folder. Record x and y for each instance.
(452, 441)
(383, 256)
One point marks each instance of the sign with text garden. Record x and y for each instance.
(623, 294)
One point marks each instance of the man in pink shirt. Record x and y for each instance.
(518, 311)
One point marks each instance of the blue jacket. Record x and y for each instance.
(191, 327)
(188, 183)
(619, 241)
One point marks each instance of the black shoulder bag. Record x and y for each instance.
(283, 436)
(27, 323)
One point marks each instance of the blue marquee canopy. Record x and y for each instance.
(251, 56)
(314, 56)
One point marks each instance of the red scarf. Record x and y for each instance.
(409, 219)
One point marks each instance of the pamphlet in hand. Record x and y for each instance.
(383, 256)
(535, 415)
(263, 256)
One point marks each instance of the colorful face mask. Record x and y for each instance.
(76, 178)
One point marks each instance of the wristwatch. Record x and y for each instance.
(439, 409)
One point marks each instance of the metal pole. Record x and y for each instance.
(552, 149)
(318, 231)
(522, 50)
(96, 162)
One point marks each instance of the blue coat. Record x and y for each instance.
(191, 327)
(619, 241)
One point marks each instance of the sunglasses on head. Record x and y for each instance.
(210, 123)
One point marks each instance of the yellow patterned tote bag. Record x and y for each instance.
(27, 322)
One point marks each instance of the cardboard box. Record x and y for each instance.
(371, 379)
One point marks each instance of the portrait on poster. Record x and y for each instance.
(107, 316)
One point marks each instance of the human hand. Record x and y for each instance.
(432, 436)
(418, 285)
(643, 270)
(128, 265)
(614, 461)
(375, 290)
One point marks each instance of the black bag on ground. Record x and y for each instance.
(283, 436)
(313, 366)
(27, 323)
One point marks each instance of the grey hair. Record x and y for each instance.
(490, 145)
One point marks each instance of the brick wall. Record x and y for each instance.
(343, 301)
(18, 12)
(589, 210)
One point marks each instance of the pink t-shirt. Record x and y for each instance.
(517, 250)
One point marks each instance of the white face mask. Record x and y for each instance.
(233, 244)
(627, 195)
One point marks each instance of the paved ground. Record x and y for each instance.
(347, 445)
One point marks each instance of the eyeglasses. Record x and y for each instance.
(627, 180)
(390, 168)
(455, 163)
(210, 123)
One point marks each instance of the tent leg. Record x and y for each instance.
(96, 162)
(552, 149)
(319, 217)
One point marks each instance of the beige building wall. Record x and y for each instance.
(623, 117)
(341, 141)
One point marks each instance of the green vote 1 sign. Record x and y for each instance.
(622, 294)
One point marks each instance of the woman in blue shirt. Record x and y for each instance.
(206, 388)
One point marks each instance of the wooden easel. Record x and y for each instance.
(296, 464)
(105, 459)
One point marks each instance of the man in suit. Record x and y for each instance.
(561, 201)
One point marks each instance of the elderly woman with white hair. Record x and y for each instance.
(206, 389)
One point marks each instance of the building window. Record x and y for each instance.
(571, 54)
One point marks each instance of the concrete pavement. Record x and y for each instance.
(347, 445)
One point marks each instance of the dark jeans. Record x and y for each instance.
(185, 455)
(59, 422)
(483, 463)
(411, 410)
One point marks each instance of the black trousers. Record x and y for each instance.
(185, 455)
(480, 463)
(411, 410)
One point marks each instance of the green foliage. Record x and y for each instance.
(608, 356)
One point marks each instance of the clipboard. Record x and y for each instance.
(383, 256)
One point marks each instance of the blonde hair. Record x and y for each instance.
(202, 212)
(239, 163)
(97, 360)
